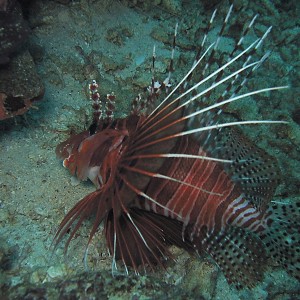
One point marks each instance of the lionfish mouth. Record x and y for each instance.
(172, 174)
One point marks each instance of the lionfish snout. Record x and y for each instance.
(177, 175)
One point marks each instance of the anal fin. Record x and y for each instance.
(239, 253)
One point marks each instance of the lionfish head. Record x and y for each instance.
(94, 156)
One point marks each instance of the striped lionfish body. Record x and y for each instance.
(174, 175)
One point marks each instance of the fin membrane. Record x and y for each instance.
(143, 239)
(282, 237)
(253, 170)
(239, 253)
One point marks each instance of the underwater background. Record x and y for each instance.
(73, 42)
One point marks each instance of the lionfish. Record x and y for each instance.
(171, 174)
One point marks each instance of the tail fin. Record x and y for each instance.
(282, 237)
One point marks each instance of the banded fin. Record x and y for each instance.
(239, 254)
(253, 170)
(90, 204)
(282, 237)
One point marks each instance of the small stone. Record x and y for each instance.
(74, 181)
(41, 211)
(3, 215)
(174, 6)
(56, 271)
(37, 276)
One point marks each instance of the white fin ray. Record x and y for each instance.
(179, 84)
(208, 128)
(162, 176)
(144, 195)
(152, 117)
(114, 268)
(232, 100)
(177, 155)
(228, 124)
(202, 81)
(212, 87)
(142, 237)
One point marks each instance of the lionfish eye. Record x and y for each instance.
(93, 128)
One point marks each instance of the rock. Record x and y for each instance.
(14, 31)
(99, 285)
(20, 86)
(19, 83)
(173, 6)
(201, 278)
